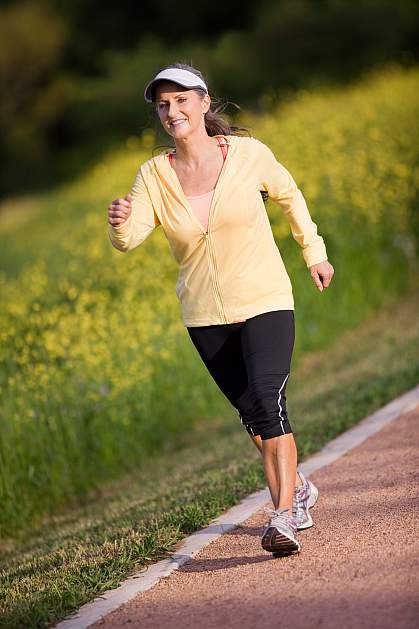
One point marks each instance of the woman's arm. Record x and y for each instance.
(141, 217)
(281, 187)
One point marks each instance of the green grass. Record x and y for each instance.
(60, 562)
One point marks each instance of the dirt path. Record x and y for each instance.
(358, 565)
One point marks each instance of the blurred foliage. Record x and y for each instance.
(91, 340)
(73, 72)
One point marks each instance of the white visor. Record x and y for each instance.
(177, 75)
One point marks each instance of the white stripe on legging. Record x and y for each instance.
(279, 402)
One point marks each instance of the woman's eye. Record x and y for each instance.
(180, 100)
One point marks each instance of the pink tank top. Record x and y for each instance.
(201, 203)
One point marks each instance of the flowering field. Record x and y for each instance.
(97, 370)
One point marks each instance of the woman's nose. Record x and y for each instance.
(172, 110)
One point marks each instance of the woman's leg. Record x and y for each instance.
(270, 464)
(280, 464)
(268, 341)
(220, 347)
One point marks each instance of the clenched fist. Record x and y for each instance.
(119, 211)
(322, 274)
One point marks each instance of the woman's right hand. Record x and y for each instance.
(119, 211)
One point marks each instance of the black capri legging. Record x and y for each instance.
(250, 362)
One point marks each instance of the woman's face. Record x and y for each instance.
(181, 111)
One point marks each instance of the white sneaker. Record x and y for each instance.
(305, 496)
(280, 535)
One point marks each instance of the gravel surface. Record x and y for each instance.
(358, 565)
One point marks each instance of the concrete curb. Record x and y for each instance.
(146, 578)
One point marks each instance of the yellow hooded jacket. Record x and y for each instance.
(235, 270)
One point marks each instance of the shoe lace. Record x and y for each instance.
(280, 516)
(301, 494)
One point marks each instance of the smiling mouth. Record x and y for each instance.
(175, 123)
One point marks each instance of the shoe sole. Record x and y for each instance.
(276, 542)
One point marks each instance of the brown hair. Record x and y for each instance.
(215, 124)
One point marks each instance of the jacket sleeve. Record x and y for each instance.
(141, 222)
(281, 187)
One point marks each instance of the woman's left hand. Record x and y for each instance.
(322, 274)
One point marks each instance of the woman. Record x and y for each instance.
(235, 293)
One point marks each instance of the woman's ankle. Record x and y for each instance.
(298, 481)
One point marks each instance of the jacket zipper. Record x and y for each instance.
(217, 290)
(215, 280)
(212, 254)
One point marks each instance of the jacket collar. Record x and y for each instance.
(168, 175)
